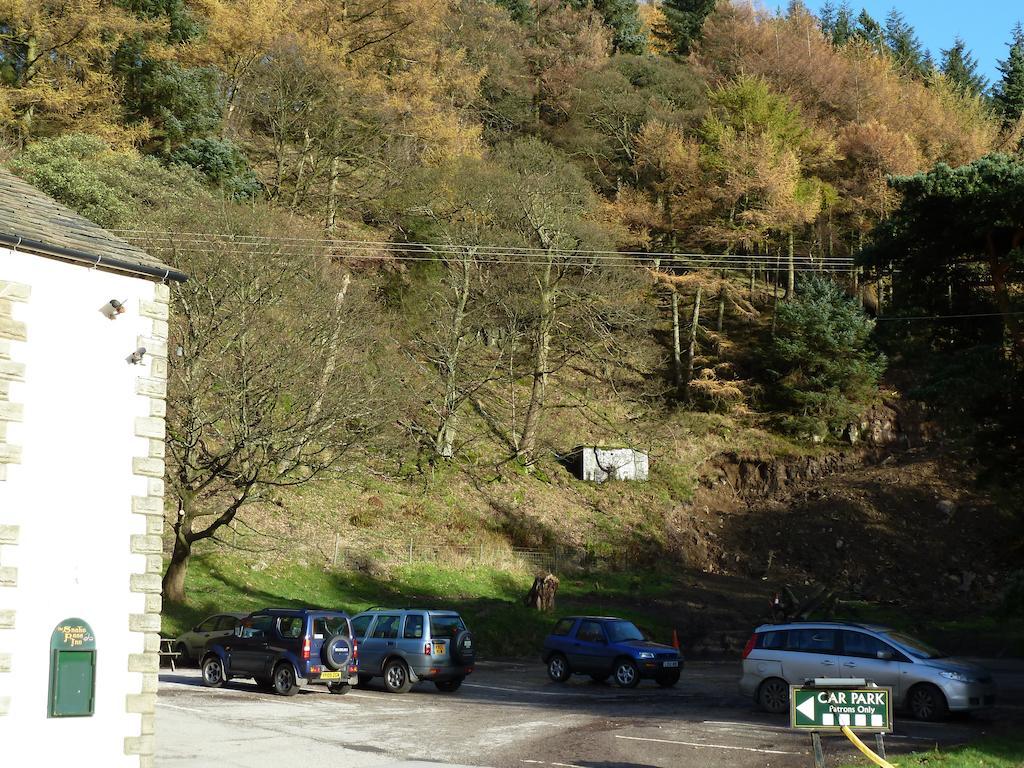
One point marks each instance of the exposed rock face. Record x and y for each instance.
(752, 477)
(885, 427)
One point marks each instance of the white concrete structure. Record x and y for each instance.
(600, 464)
(81, 489)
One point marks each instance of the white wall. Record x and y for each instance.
(71, 495)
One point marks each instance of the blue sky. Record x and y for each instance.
(985, 25)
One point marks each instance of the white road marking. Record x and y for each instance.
(183, 709)
(710, 746)
(758, 726)
(528, 692)
(559, 765)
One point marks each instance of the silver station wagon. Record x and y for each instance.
(923, 680)
(408, 646)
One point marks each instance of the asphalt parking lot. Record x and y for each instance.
(508, 715)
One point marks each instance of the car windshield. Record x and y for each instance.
(622, 631)
(914, 646)
(445, 626)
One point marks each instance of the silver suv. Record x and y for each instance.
(407, 646)
(923, 680)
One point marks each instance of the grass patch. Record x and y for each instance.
(490, 600)
(1003, 752)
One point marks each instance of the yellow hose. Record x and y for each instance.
(881, 763)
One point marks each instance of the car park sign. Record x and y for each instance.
(829, 709)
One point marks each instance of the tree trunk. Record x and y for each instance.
(775, 299)
(177, 569)
(331, 363)
(720, 323)
(677, 350)
(695, 323)
(300, 175)
(790, 271)
(25, 122)
(542, 350)
(444, 441)
(541, 596)
(332, 196)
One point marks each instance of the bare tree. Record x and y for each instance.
(272, 381)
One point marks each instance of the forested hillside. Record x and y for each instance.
(436, 244)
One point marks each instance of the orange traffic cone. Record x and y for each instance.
(675, 640)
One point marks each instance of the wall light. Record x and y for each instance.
(112, 309)
(136, 357)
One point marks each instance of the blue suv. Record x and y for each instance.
(280, 648)
(604, 647)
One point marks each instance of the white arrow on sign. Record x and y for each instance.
(807, 708)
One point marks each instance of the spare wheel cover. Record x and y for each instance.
(336, 652)
(465, 646)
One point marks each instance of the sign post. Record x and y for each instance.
(840, 705)
(862, 709)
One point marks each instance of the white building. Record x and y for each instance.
(81, 486)
(598, 465)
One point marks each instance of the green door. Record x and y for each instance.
(74, 677)
(72, 670)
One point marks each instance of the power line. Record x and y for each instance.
(387, 245)
(368, 250)
(950, 317)
(399, 256)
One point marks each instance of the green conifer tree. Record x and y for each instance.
(870, 31)
(910, 55)
(837, 22)
(961, 69)
(519, 10)
(623, 18)
(1009, 91)
(684, 20)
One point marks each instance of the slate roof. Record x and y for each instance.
(33, 221)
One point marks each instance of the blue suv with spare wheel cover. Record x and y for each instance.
(603, 647)
(283, 648)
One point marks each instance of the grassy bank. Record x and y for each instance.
(1004, 752)
(489, 600)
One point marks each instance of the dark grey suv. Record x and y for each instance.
(407, 646)
(283, 648)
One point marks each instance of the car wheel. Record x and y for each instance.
(626, 674)
(668, 679)
(265, 683)
(449, 686)
(773, 696)
(927, 703)
(600, 678)
(340, 689)
(558, 668)
(285, 683)
(213, 672)
(184, 657)
(363, 680)
(396, 677)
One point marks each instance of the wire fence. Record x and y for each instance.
(337, 552)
